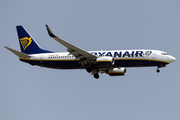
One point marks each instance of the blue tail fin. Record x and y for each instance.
(27, 43)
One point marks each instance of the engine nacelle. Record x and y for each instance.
(105, 62)
(117, 71)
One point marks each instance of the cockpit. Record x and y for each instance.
(164, 53)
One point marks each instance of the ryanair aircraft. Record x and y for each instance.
(112, 62)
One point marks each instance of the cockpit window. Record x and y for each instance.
(164, 53)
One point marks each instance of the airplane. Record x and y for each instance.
(111, 62)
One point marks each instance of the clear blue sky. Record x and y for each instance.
(34, 93)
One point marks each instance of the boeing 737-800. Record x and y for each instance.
(112, 62)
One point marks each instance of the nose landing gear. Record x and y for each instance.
(157, 70)
(160, 66)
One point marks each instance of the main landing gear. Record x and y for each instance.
(96, 75)
(93, 72)
(89, 70)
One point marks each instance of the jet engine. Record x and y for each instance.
(117, 71)
(105, 62)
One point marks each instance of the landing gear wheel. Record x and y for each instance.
(89, 70)
(96, 75)
(157, 70)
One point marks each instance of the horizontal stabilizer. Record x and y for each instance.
(19, 54)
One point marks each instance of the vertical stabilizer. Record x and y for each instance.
(27, 43)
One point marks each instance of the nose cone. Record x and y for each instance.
(172, 59)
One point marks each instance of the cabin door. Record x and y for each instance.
(154, 55)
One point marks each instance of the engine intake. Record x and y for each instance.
(117, 71)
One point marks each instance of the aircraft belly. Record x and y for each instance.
(137, 63)
(56, 64)
(77, 65)
(63, 64)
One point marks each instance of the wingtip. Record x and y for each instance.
(49, 31)
(6, 47)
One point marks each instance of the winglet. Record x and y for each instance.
(50, 32)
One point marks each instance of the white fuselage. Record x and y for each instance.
(123, 58)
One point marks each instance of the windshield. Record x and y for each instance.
(164, 53)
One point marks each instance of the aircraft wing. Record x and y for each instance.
(75, 51)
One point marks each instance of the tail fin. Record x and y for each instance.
(27, 43)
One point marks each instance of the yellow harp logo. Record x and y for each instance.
(25, 42)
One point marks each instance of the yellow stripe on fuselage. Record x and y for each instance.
(115, 72)
(104, 61)
(97, 61)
